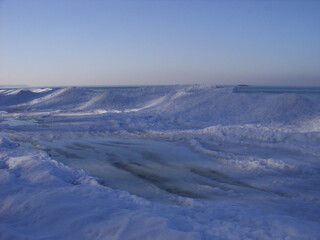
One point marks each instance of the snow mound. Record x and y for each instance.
(187, 105)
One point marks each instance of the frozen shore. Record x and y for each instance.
(260, 179)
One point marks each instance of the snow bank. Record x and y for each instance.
(184, 105)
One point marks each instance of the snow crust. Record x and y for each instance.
(269, 141)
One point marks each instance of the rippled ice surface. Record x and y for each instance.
(155, 170)
(18, 122)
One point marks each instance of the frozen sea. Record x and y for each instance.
(160, 162)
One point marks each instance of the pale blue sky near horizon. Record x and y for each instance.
(96, 42)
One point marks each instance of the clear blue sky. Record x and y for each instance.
(100, 42)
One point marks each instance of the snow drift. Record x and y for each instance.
(205, 105)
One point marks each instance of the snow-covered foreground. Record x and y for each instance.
(171, 162)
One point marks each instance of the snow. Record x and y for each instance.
(165, 162)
